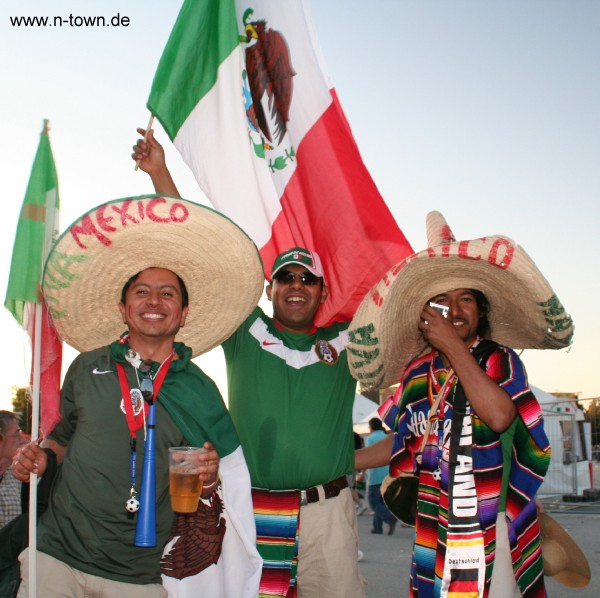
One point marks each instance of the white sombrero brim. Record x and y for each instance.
(524, 311)
(563, 559)
(92, 260)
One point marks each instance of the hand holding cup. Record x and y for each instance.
(189, 468)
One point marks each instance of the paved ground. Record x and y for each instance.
(386, 561)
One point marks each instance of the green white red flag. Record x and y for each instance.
(36, 230)
(242, 92)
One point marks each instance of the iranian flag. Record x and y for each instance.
(241, 90)
(36, 230)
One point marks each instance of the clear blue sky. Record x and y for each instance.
(486, 111)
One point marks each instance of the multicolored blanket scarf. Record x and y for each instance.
(406, 413)
(277, 517)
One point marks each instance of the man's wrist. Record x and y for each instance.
(209, 488)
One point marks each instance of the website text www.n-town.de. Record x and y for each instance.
(71, 20)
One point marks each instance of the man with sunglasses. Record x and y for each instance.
(290, 397)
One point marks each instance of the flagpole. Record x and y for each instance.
(35, 419)
(35, 399)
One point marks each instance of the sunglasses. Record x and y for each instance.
(146, 384)
(288, 277)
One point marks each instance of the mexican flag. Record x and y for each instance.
(36, 230)
(242, 92)
(202, 415)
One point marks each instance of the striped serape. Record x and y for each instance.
(277, 515)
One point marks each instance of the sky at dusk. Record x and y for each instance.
(486, 111)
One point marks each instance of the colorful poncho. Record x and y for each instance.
(406, 414)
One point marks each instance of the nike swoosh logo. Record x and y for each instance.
(267, 343)
(97, 371)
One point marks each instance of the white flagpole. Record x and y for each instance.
(35, 419)
(50, 222)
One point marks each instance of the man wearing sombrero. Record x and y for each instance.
(442, 323)
(140, 286)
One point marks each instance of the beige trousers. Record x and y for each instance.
(55, 578)
(328, 549)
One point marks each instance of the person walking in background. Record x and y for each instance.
(353, 483)
(375, 477)
(355, 477)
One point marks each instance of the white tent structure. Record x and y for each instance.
(362, 411)
(571, 443)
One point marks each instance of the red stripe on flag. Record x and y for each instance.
(332, 205)
(50, 371)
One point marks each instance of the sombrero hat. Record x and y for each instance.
(524, 311)
(563, 559)
(92, 260)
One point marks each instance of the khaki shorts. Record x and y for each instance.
(55, 578)
(328, 549)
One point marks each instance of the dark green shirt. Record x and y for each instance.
(86, 525)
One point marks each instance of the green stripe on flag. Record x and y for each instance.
(39, 207)
(204, 34)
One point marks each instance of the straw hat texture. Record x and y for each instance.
(563, 559)
(524, 311)
(93, 259)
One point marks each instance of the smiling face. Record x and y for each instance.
(464, 313)
(153, 307)
(295, 304)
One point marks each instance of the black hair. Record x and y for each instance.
(375, 424)
(185, 300)
(5, 419)
(483, 305)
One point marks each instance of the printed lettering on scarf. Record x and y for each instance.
(464, 567)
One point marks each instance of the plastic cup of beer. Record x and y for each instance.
(185, 486)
